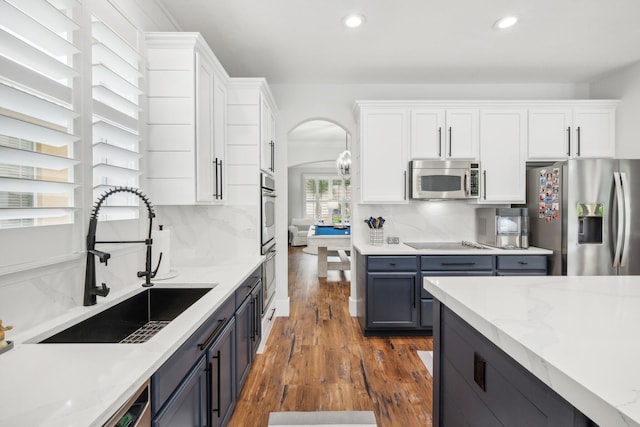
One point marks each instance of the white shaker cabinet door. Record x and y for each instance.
(549, 134)
(502, 158)
(462, 134)
(427, 133)
(594, 132)
(383, 158)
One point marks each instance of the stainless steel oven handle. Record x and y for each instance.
(620, 202)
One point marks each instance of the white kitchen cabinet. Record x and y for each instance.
(267, 137)
(462, 132)
(439, 133)
(502, 156)
(186, 122)
(571, 131)
(427, 133)
(384, 141)
(594, 132)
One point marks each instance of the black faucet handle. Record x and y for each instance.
(101, 290)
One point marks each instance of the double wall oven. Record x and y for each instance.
(268, 237)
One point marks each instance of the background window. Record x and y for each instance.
(327, 199)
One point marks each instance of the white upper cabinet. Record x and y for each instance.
(462, 134)
(502, 155)
(186, 121)
(384, 136)
(549, 133)
(438, 133)
(594, 132)
(267, 137)
(571, 131)
(427, 133)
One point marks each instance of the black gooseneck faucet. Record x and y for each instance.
(91, 289)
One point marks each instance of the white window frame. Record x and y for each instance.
(343, 201)
(28, 248)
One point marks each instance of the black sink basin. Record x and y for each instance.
(133, 320)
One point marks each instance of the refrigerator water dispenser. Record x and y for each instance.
(590, 224)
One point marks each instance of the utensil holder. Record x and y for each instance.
(376, 236)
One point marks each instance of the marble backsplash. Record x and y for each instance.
(437, 221)
(205, 235)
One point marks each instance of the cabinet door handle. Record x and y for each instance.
(273, 312)
(450, 142)
(404, 177)
(440, 141)
(253, 319)
(578, 131)
(215, 192)
(479, 367)
(484, 184)
(569, 141)
(221, 179)
(217, 357)
(273, 156)
(213, 335)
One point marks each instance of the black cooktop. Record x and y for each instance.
(444, 245)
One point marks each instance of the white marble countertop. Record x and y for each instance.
(402, 249)
(80, 385)
(578, 335)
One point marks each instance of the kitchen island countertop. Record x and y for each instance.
(80, 385)
(403, 249)
(578, 335)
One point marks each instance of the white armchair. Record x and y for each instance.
(298, 231)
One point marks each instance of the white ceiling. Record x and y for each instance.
(416, 41)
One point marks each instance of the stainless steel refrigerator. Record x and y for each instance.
(588, 212)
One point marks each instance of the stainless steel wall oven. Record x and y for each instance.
(268, 238)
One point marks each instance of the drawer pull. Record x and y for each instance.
(479, 365)
(213, 335)
(392, 264)
(458, 263)
(523, 262)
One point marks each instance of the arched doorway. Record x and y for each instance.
(316, 191)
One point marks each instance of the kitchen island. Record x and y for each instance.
(80, 385)
(570, 342)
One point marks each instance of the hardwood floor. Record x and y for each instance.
(318, 360)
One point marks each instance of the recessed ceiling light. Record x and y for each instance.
(353, 21)
(506, 22)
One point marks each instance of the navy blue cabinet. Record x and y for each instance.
(248, 326)
(476, 383)
(222, 359)
(188, 405)
(391, 300)
(243, 342)
(199, 384)
(391, 296)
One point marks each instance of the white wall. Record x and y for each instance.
(623, 84)
(299, 103)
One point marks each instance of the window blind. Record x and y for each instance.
(36, 112)
(116, 93)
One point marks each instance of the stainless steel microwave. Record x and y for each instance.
(444, 179)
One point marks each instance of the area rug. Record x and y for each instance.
(427, 359)
(323, 419)
(310, 250)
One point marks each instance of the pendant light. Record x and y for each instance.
(343, 163)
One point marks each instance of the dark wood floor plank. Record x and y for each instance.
(318, 360)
